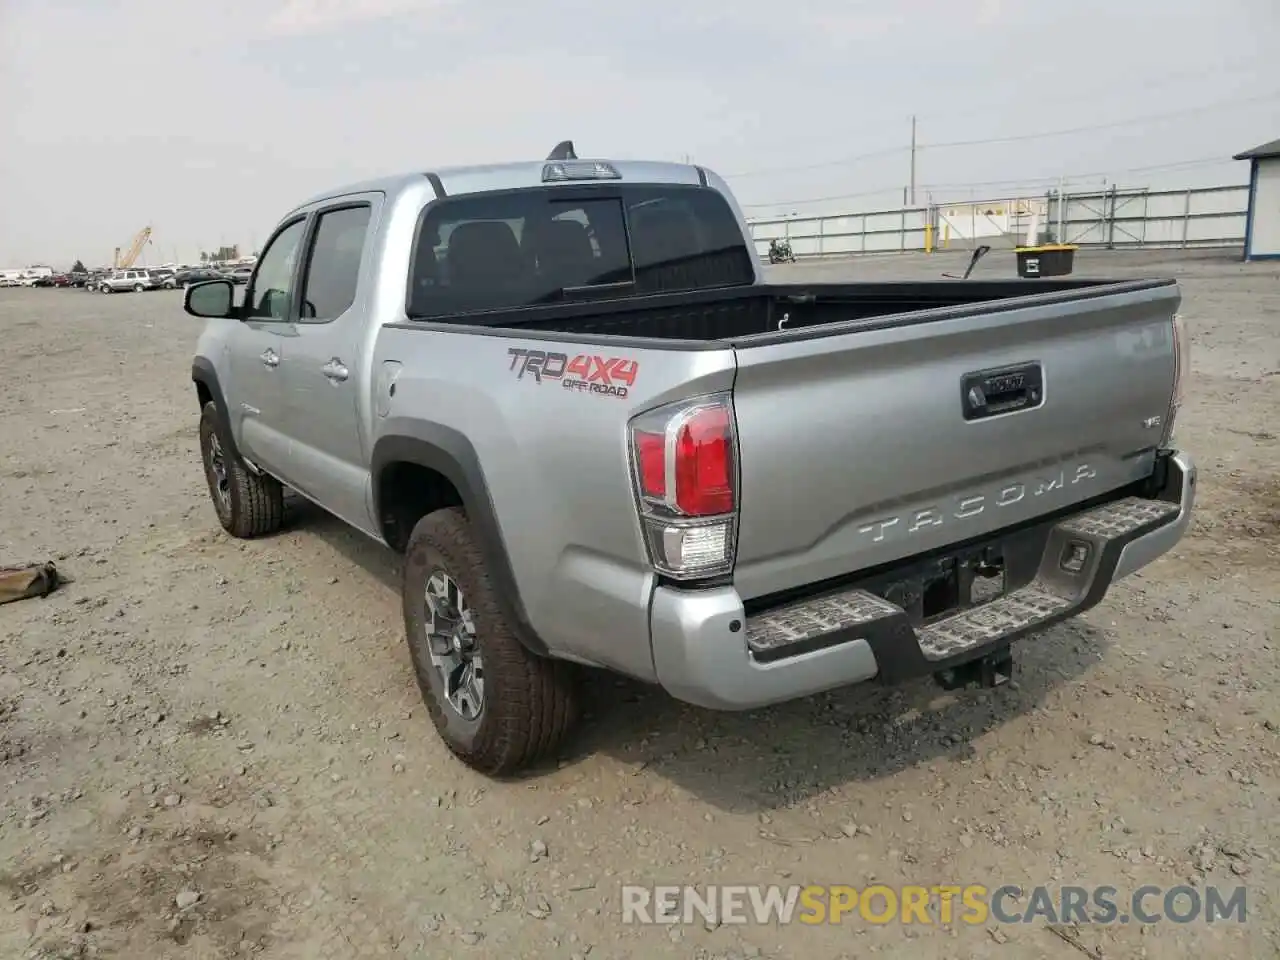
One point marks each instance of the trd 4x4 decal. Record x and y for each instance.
(610, 376)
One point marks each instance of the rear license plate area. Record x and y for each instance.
(940, 591)
(939, 588)
(986, 583)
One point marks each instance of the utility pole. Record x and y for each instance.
(1062, 189)
(913, 160)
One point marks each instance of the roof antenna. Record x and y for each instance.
(563, 151)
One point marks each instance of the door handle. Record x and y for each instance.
(271, 358)
(335, 370)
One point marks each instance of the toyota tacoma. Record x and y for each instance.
(566, 393)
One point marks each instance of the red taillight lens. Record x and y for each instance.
(683, 455)
(704, 464)
(651, 454)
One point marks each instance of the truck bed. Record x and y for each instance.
(768, 312)
(882, 421)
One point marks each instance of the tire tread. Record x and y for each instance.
(257, 502)
(530, 701)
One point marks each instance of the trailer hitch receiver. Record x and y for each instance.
(993, 670)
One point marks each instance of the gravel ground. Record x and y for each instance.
(211, 748)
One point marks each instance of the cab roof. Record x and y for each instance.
(510, 176)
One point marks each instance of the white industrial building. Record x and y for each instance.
(1262, 223)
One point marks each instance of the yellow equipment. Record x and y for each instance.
(135, 250)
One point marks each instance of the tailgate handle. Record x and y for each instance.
(989, 393)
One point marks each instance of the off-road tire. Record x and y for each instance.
(255, 505)
(530, 702)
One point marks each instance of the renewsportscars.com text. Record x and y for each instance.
(937, 904)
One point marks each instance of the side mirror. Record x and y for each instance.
(209, 299)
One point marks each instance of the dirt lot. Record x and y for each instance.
(195, 715)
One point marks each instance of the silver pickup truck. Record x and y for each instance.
(565, 392)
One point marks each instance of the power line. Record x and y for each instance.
(1149, 118)
(1025, 181)
(857, 158)
(841, 196)
(1017, 138)
(1090, 94)
(1050, 181)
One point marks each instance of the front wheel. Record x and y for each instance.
(248, 504)
(497, 706)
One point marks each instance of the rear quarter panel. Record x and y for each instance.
(556, 463)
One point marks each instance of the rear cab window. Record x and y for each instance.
(511, 249)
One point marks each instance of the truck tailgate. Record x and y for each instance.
(869, 443)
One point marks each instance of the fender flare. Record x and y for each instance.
(205, 374)
(451, 454)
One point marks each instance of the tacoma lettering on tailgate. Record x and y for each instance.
(584, 372)
(968, 506)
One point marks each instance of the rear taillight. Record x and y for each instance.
(1181, 370)
(686, 474)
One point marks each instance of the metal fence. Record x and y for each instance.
(1197, 217)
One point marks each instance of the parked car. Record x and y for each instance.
(164, 278)
(239, 274)
(565, 393)
(196, 274)
(119, 280)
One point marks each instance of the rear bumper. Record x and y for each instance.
(707, 651)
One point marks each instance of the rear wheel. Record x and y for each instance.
(248, 505)
(497, 706)
(138, 288)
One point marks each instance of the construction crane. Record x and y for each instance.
(140, 241)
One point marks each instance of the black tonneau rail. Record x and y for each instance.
(767, 313)
(854, 314)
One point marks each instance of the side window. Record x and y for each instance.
(333, 268)
(271, 289)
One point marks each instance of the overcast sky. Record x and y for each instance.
(209, 120)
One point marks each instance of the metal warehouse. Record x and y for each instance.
(1262, 225)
